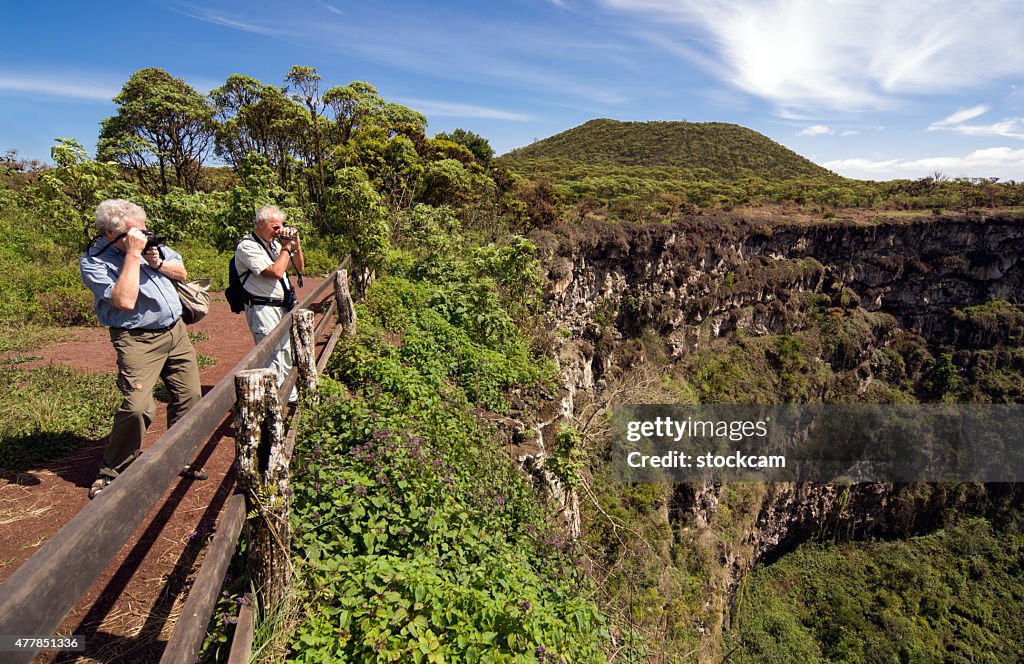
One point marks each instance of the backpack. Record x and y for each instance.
(235, 294)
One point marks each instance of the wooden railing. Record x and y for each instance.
(37, 597)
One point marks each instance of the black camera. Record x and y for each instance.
(153, 240)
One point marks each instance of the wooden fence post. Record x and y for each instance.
(304, 349)
(346, 310)
(264, 478)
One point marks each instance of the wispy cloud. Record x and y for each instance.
(957, 123)
(447, 109)
(1002, 162)
(961, 115)
(331, 8)
(495, 54)
(816, 130)
(229, 21)
(57, 85)
(841, 55)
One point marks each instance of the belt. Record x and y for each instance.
(266, 301)
(136, 330)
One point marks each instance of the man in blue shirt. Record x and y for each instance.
(133, 296)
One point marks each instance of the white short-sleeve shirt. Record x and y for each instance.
(251, 256)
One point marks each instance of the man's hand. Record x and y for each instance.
(291, 244)
(289, 239)
(135, 242)
(152, 256)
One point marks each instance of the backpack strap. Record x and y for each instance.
(284, 280)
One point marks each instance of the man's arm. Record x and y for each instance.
(171, 267)
(126, 289)
(279, 268)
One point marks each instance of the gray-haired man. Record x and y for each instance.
(265, 255)
(134, 297)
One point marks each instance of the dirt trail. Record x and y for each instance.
(129, 613)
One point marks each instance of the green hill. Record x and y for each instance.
(712, 150)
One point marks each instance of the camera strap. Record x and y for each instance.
(95, 241)
(285, 284)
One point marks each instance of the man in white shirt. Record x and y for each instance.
(262, 259)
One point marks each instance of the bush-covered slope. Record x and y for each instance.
(953, 596)
(418, 539)
(726, 151)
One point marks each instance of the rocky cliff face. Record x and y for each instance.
(695, 282)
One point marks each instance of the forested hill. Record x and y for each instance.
(728, 151)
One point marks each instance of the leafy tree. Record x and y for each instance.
(396, 114)
(354, 106)
(253, 117)
(446, 182)
(944, 377)
(304, 83)
(358, 105)
(357, 211)
(161, 123)
(476, 144)
(260, 187)
(392, 164)
(71, 191)
(444, 149)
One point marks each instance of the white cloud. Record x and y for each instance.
(447, 109)
(961, 115)
(210, 16)
(1001, 162)
(331, 8)
(57, 85)
(849, 132)
(844, 55)
(514, 55)
(1009, 127)
(816, 130)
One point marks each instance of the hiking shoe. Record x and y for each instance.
(192, 473)
(101, 483)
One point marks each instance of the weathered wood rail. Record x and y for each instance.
(37, 597)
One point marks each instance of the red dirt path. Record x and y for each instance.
(128, 614)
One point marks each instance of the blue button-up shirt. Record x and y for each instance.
(157, 305)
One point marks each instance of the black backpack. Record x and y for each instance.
(235, 294)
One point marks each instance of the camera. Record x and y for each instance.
(287, 234)
(153, 240)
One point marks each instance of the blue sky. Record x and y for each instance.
(870, 89)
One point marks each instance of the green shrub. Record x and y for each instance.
(418, 539)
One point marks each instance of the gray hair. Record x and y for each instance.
(113, 213)
(268, 213)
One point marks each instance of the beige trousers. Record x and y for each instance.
(142, 357)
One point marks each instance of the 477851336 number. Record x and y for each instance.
(15, 643)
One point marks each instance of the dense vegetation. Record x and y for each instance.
(644, 171)
(722, 151)
(417, 538)
(953, 596)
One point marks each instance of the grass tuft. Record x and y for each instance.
(49, 411)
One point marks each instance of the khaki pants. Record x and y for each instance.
(142, 357)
